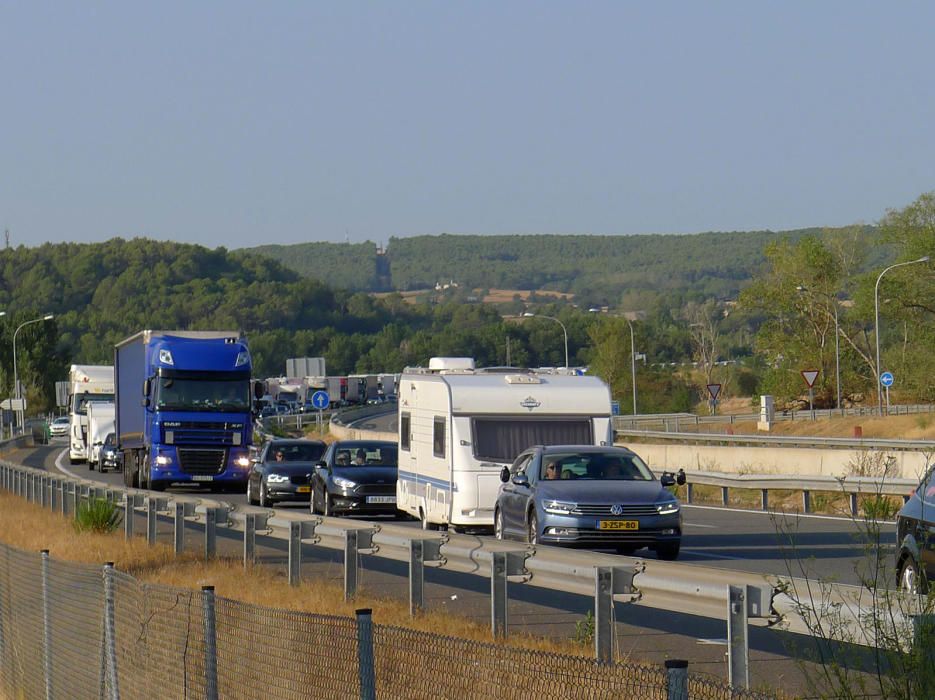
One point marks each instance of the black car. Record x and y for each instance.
(356, 476)
(109, 456)
(282, 471)
(915, 537)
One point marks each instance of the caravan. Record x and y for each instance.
(100, 424)
(87, 384)
(458, 427)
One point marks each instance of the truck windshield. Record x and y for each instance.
(81, 401)
(178, 394)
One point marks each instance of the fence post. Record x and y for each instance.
(42, 486)
(46, 626)
(128, 515)
(53, 494)
(179, 528)
(249, 540)
(365, 664)
(416, 576)
(295, 556)
(150, 521)
(211, 518)
(498, 594)
(737, 645)
(677, 679)
(603, 615)
(351, 564)
(110, 641)
(211, 649)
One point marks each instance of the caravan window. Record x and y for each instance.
(404, 430)
(438, 437)
(500, 440)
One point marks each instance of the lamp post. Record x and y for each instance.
(837, 343)
(632, 363)
(529, 314)
(16, 391)
(876, 321)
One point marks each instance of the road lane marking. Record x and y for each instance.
(61, 467)
(710, 527)
(781, 514)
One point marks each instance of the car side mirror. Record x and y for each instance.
(505, 474)
(521, 480)
(667, 480)
(680, 477)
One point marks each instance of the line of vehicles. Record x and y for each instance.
(291, 395)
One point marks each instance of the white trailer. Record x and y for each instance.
(100, 423)
(458, 427)
(87, 384)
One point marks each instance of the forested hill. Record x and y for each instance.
(600, 269)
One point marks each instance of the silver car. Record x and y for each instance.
(599, 497)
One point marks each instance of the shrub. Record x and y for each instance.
(97, 515)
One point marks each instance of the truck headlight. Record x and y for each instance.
(667, 507)
(163, 461)
(343, 483)
(242, 462)
(276, 478)
(559, 507)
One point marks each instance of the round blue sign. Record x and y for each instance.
(886, 379)
(320, 400)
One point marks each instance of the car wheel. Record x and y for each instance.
(328, 507)
(532, 535)
(313, 502)
(668, 551)
(90, 465)
(264, 496)
(498, 524)
(909, 579)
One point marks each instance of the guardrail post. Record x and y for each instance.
(211, 520)
(365, 664)
(854, 507)
(677, 679)
(764, 499)
(724, 495)
(416, 576)
(110, 637)
(690, 491)
(604, 614)
(499, 595)
(179, 528)
(295, 553)
(737, 644)
(53, 494)
(46, 626)
(43, 485)
(806, 502)
(211, 650)
(128, 503)
(351, 564)
(249, 540)
(151, 521)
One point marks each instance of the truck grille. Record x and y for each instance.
(193, 461)
(191, 433)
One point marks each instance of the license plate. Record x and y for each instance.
(303, 489)
(618, 525)
(201, 477)
(381, 499)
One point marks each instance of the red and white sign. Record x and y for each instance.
(810, 375)
(714, 390)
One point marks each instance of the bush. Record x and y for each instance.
(97, 515)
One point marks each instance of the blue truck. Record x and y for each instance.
(184, 408)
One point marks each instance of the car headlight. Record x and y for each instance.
(667, 507)
(343, 483)
(559, 507)
(242, 462)
(163, 460)
(277, 478)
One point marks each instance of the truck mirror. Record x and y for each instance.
(147, 387)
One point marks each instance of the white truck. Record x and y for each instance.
(100, 423)
(87, 384)
(458, 427)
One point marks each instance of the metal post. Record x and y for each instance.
(764, 499)
(150, 521)
(351, 564)
(603, 615)
(724, 494)
(43, 485)
(110, 640)
(211, 650)
(689, 491)
(128, 516)
(249, 540)
(365, 663)
(737, 645)
(75, 493)
(806, 502)
(179, 528)
(211, 518)
(416, 577)
(854, 504)
(498, 594)
(295, 553)
(677, 679)
(632, 363)
(46, 626)
(53, 494)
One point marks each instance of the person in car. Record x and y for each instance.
(360, 457)
(280, 457)
(552, 471)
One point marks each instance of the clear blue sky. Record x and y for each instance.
(232, 123)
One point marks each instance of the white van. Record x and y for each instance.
(87, 384)
(100, 423)
(458, 427)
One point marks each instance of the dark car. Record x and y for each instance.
(356, 476)
(915, 537)
(597, 497)
(109, 456)
(282, 471)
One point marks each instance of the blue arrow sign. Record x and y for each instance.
(320, 400)
(886, 379)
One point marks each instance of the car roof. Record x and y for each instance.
(365, 443)
(295, 441)
(588, 449)
(61, 419)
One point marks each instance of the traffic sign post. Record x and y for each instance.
(887, 379)
(810, 375)
(320, 400)
(714, 390)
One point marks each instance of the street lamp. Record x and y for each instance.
(837, 343)
(529, 314)
(876, 321)
(16, 391)
(632, 363)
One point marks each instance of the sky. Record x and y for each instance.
(245, 123)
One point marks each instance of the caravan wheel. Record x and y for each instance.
(426, 525)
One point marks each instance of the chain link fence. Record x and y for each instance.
(79, 631)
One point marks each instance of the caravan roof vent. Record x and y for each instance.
(438, 364)
(522, 379)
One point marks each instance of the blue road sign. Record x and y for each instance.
(320, 400)
(615, 408)
(886, 379)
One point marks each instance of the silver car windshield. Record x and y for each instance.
(597, 466)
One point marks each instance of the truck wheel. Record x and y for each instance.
(157, 486)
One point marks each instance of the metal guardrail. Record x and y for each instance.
(781, 441)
